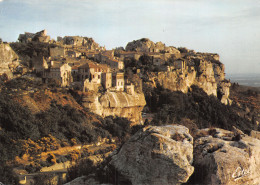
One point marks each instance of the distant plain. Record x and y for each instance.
(252, 80)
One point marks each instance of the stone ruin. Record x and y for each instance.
(40, 36)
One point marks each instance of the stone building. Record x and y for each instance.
(88, 69)
(59, 71)
(84, 71)
(102, 57)
(74, 72)
(130, 89)
(57, 52)
(130, 55)
(157, 59)
(40, 36)
(115, 64)
(106, 80)
(118, 81)
(92, 83)
(107, 57)
(26, 37)
(180, 64)
(71, 53)
(39, 64)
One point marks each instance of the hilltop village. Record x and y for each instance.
(75, 60)
(71, 109)
(112, 82)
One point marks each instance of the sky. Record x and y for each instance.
(230, 28)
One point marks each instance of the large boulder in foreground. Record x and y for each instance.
(156, 155)
(224, 157)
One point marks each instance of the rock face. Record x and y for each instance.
(146, 45)
(223, 92)
(142, 45)
(8, 60)
(201, 70)
(156, 155)
(116, 104)
(40, 36)
(81, 41)
(186, 68)
(165, 155)
(224, 157)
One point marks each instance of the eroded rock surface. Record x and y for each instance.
(116, 104)
(200, 70)
(146, 45)
(8, 60)
(156, 155)
(80, 41)
(224, 157)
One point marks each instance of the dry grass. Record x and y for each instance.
(41, 100)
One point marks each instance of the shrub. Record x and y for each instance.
(117, 127)
(62, 159)
(202, 110)
(7, 175)
(33, 167)
(51, 159)
(82, 167)
(44, 179)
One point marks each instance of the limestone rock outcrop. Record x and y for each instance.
(142, 45)
(8, 60)
(225, 157)
(156, 155)
(80, 41)
(199, 69)
(185, 68)
(146, 45)
(116, 104)
(223, 92)
(40, 36)
(255, 134)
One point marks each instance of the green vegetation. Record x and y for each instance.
(22, 132)
(145, 64)
(205, 111)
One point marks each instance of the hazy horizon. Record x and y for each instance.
(251, 80)
(229, 27)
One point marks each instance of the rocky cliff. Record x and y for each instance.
(146, 45)
(40, 36)
(116, 104)
(183, 68)
(8, 60)
(80, 41)
(199, 69)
